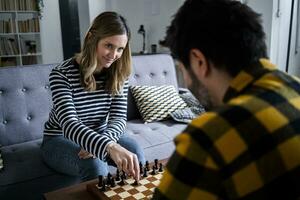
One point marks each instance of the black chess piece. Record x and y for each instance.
(100, 180)
(160, 167)
(156, 163)
(141, 168)
(109, 177)
(118, 175)
(124, 175)
(122, 182)
(147, 165)
(153, 170)
(112, 182)
(136, 183)
(145, 174)
(103, 188)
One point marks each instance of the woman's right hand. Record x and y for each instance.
(124, 159)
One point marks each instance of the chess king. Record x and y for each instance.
(247, 145)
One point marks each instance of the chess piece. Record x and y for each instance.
(118, 175)
(160, 167)
(156, 163)
(112, 182)
(122, 182)
(109, 177)
(136, 183)
(103, 188)
(124, 175)
(141, 168)
(145, 174)
(153, 170)
(100, 180)
(147, 165)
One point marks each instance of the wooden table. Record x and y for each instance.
(76, 192)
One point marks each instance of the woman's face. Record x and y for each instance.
(110, 49)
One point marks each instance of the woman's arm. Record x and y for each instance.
(117, 115)
(72, 126)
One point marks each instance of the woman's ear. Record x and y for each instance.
(199, 64)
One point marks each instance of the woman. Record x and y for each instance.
(86, 125)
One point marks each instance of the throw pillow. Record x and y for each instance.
(155, 103)
(194, 109)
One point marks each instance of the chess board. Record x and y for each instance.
(129, 191)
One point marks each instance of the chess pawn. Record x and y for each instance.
(103, 188)
(147, 165)
(136, 183)
(145, 174)
(156, 163)
(109, 177)
(112, 182)
(153, 170)
(122, 182)
(100, 180)
(118, 175)
(141, 167)
(160, 167)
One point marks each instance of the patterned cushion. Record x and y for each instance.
(193, 110)
(155, 103)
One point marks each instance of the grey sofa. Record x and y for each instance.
(25, 100)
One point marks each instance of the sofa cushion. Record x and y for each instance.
(155, 103)
(155, 133)
(23, 162)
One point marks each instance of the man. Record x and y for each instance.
(248, 145)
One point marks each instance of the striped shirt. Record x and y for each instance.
(90, 119)
(248, 148)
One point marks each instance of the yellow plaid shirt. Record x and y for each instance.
(249, 148)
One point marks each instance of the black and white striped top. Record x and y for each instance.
(90, 119)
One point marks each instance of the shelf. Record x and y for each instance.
(8, 34)
(29, 33)
(20, 38)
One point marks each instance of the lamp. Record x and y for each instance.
(143, 32)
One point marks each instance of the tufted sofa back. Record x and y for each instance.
(25, 97)
(156, 69)
(25, 101)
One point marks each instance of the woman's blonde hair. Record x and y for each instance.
(105, 25)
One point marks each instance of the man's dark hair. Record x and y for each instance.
(227, 32)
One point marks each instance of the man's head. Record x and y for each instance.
(227, 33)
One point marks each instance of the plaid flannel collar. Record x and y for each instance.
(247, 77)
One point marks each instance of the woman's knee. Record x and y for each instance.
(131, 145)
(91, 168)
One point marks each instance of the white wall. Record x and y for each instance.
(51, 33)
(276, 21)
(264, 8)
(155, 15)
(95, 8)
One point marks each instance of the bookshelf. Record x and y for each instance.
(20, 39)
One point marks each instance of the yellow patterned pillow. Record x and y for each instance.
(156, 103)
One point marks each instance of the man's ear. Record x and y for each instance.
(199, 64)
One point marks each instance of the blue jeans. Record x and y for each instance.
(60, 154)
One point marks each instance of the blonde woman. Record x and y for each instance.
(86, 125)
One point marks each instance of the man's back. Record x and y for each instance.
(247, 149)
